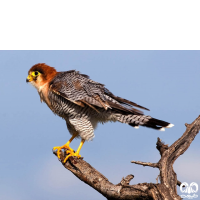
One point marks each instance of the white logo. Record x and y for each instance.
(192, 188)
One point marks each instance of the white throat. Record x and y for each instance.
(39, 88)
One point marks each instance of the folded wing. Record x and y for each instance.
(81, 90)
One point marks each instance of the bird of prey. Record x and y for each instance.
(83, 103)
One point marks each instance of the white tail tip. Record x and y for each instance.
(162, 129)
(136, 127)
(170, 125)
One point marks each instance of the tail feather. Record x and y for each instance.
(149, 125)
(144, 120)
(158, 122)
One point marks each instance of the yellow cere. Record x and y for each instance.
(29, 78)
(32, 75)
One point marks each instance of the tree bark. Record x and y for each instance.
(166, 189)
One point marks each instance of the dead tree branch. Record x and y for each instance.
(154, 165)
(166, 189)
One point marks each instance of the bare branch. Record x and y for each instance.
(86, 173)
(166, 189)
(125, 181)
(161, 146)
(179, 183)
(155, 165)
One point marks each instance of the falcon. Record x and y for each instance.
(83, 103)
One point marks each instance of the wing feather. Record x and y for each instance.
(124, 101)
(81, 90)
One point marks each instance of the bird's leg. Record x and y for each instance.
(76, 153)
(65, 146)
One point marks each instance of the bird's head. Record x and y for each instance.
(40, 74)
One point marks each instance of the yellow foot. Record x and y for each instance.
(69, 149)
(71, 154)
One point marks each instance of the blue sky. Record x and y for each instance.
(166, 82)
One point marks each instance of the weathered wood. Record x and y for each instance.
(166, 189)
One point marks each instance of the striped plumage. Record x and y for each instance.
(83, 102)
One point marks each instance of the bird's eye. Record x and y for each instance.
(35, 73)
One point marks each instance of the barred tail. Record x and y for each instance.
(143, 120)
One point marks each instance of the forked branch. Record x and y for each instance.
(166, 189)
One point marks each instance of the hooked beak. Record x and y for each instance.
(29, 78)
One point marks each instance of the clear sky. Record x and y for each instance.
(166, 82)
